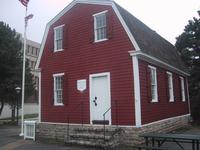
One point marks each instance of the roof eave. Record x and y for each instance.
(157, 61)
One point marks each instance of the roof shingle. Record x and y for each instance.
(150, 42)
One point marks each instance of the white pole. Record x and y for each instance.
(23, 76)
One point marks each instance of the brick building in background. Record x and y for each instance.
(32, 52)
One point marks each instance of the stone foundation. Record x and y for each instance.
(130, 135)
(164, 126)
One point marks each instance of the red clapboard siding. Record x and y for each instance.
(81, 58)
(163, 109)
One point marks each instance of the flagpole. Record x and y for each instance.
(23, 75)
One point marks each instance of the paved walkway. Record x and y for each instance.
(10, 140)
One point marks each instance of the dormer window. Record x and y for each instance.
(58, 38)
(100, 26)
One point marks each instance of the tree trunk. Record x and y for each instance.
(2, 106)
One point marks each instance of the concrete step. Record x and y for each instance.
(86, 143)
(93, 143)
(87, 136)
(94, 130)
(93, 137)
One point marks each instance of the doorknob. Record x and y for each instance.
(95, 101)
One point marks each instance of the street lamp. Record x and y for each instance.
(17, 89)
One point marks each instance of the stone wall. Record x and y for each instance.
(130, 135)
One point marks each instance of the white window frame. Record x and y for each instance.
(170, 84)
(156, 84)
(55, 90)
(182, 89)
(55, 40)
(95, 26)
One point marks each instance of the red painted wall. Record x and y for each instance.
(80, 58)
(163, 108)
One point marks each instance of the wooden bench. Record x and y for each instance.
(142, 147)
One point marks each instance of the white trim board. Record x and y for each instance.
(100, 13)
(136, 76)
(91, 76)
(39, 116)
(156, 61)
(95, 2)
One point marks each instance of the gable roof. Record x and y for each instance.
(150, 42)
(142, 37)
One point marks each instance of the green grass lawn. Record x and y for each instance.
(29, 116)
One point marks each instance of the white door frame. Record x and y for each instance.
(107, 74)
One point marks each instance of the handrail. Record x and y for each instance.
(104, 125)
(73, 110)
(104, 117)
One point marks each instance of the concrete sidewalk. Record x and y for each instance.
(10, 140)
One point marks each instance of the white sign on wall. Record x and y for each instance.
(81, 85)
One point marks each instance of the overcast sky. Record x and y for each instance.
(166, 17)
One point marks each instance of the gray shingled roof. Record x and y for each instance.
(150, 42)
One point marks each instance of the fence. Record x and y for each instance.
(29, 130)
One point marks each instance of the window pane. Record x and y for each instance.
(59, 44)
(153, 92)
(153, 76)
(170, 87)
(59, 33)
(182, 89)
(98, 22)
(153, 84)
(58, 89)
(58, 38)
(103, 33)
(104, 21)
(98, 34)
(100, 27)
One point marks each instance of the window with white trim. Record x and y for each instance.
(58, 89)
(182, 89)
(100, 26)
(153, 79)
(58, 38)
(170, 86)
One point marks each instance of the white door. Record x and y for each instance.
(100, 97)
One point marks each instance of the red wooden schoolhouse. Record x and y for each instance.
(98, 64)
